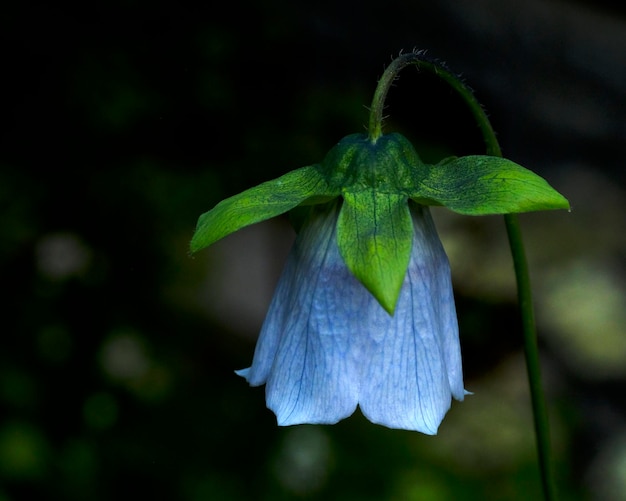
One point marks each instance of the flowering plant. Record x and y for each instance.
(363, 313)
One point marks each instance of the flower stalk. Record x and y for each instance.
(513, 228)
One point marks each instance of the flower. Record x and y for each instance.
(364, 313)
(328, 345)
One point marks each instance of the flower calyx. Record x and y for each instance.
(377, 181)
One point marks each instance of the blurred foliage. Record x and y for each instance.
(123, 121)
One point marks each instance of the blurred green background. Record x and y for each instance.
(123, 121)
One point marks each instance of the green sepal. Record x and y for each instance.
(375, 235)
(480, 185)
(272, 198)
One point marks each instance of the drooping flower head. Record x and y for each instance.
(363, 313)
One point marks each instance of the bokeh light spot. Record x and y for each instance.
(23, 451)
(62, 255)
(303, 462)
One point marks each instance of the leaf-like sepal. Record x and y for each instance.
(272, 198)
(479, 185)
(374, 235)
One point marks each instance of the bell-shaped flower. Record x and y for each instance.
(328, 345)
(363, 314)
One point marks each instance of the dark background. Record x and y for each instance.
(122, 122)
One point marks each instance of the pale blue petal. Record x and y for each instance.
(414, 363)
(327, 344)
(441, 295)
(303, 349)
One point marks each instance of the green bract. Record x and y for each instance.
(375, 181)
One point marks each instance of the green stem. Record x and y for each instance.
(531, 350)
(524, 291)
(380, 94)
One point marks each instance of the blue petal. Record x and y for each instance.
(303, 348)
(327, 344)
(414, 363)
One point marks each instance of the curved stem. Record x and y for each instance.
(421, 62)
(375, 128)
(514, 233)
(531, 351)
